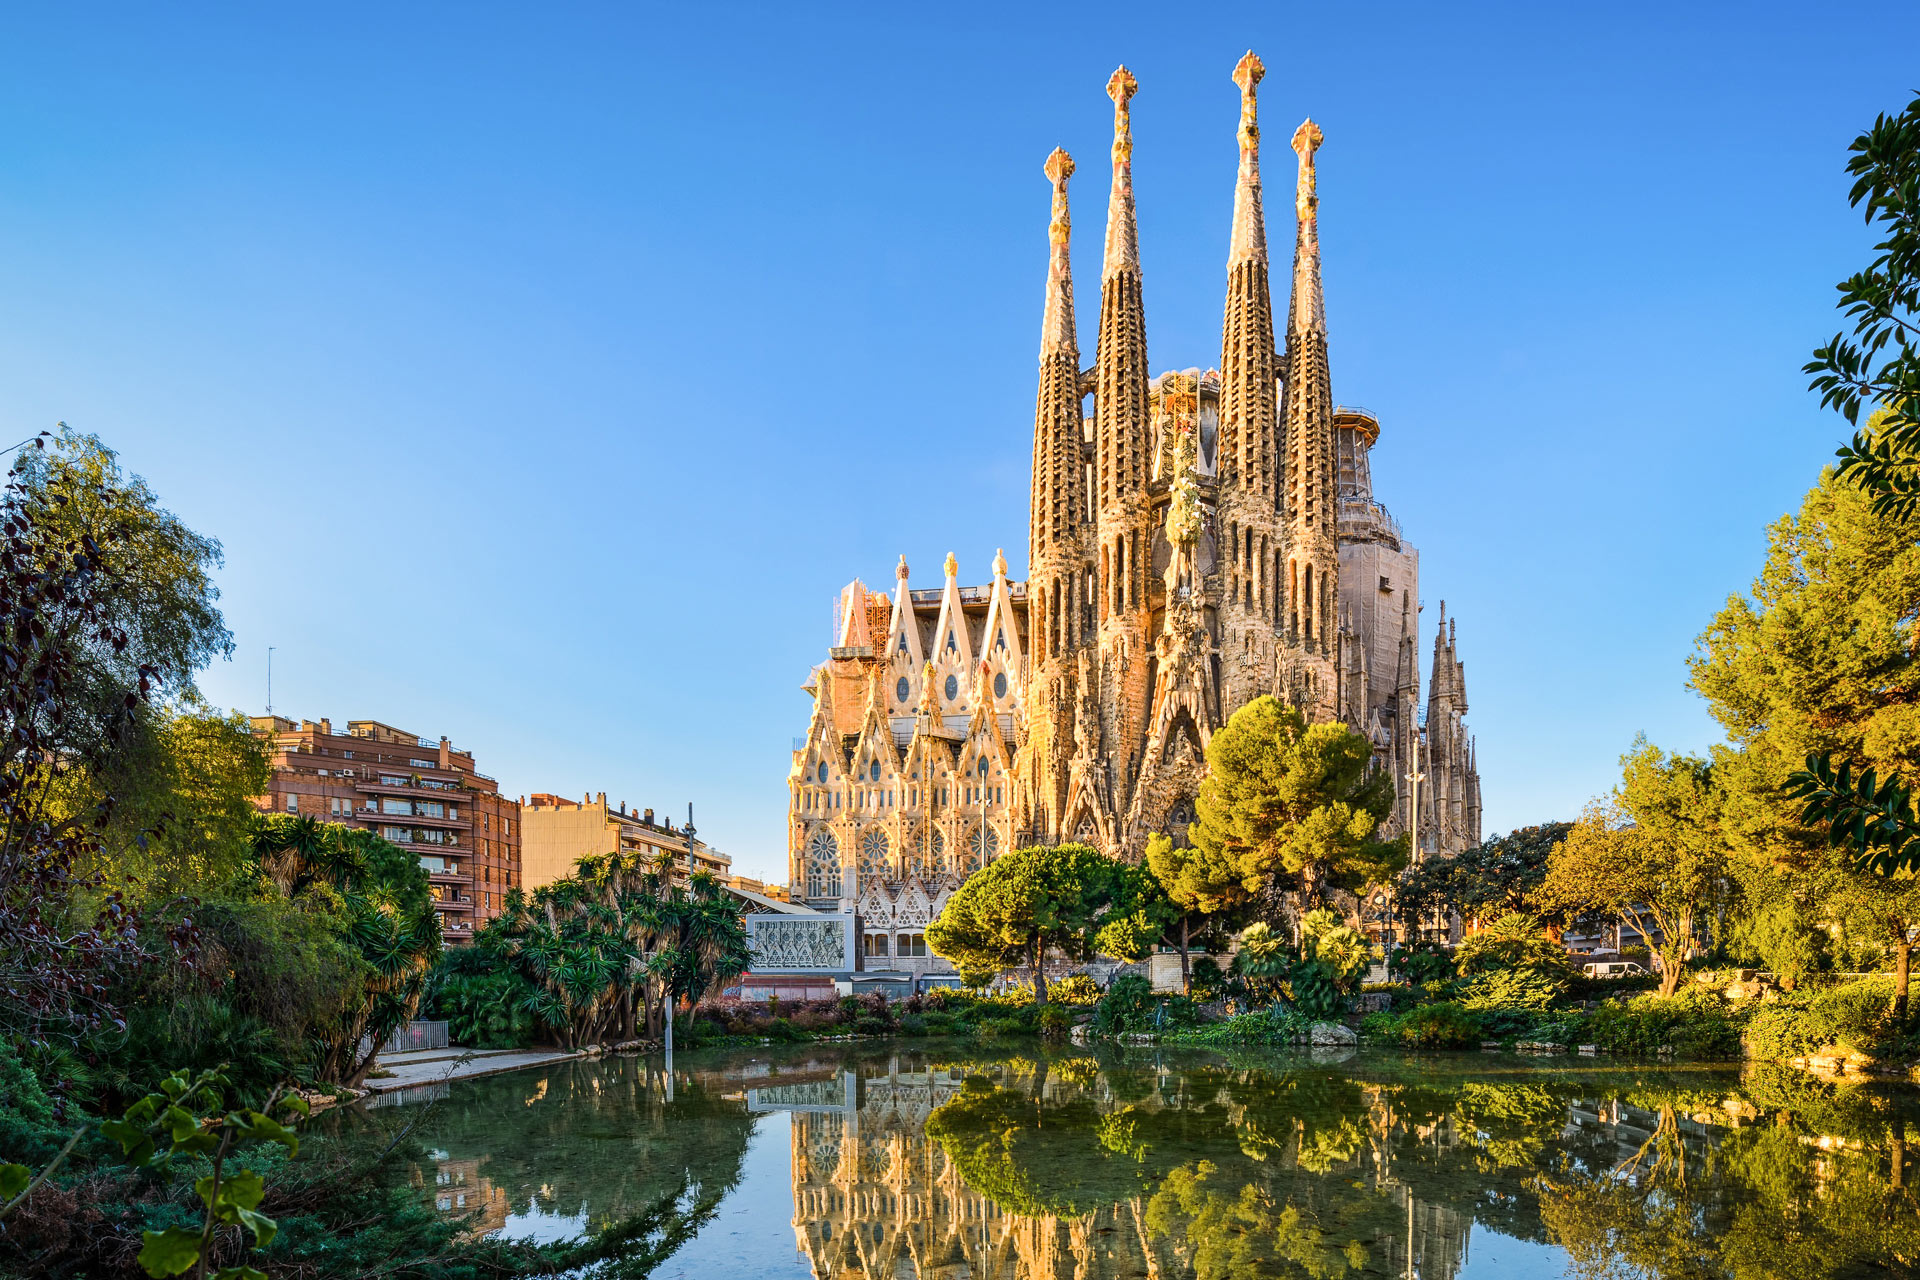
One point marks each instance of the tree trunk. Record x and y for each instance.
(1669, 971)
(1902, 962)
(1186, 976)
(1039, 971)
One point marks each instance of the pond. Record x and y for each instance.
(1021, 1163)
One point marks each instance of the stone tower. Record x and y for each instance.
(1249, 530)
(1313, 561)
(1058, 533)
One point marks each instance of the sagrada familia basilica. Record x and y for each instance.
(1197, 539)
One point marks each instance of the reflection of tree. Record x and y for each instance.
(593, 1140)
(1770, 1199)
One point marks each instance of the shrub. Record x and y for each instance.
(1509, 989)
(1694, 1023)
(1125, 1007)
(994, 1028)
(1514, 941)
(1273, 1025)
(1419, 963)
(1206, 979)
(913, 1024)
(783, 1030)
(1442, 1025)
(1852, 1016)
(1055, 1022)
(1076, 988)
(1316, 989)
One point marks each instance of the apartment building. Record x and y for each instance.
(556, 833)
(422, 794)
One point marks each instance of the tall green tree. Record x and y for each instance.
(1290, 809)
(1651, 853)
(1821, 658)
(1021, 906)
(1202, 896)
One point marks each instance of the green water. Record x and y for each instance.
(1023, 1164)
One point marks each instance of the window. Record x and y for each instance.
(430, 809)
(423, 764)
(999, 684)
(902, 689)
(876, 944)
(823, 771)
(912, 945)
(953, 688)
(391, 780)
(293, 803)
(874, 771)
(390, 805)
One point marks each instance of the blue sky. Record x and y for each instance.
(545, 370)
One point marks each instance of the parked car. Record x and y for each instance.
(1613, 969)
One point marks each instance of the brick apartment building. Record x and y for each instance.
(558, 832)
(422, 795)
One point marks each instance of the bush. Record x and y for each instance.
(1514, 941)
(1055, 1022)
(1125, 1007)
(1694, 1023)
(913, 1024)
(1442, 1025)
(1852, 1016)
(1271, 1026)
(1509, 989)
(1206, 979)
(1317, 990)
(1419, 963)
(1076, 988)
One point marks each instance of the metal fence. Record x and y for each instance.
(416, 1035)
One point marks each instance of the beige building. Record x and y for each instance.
(1197, 539)
(420, 793)
(557, 833)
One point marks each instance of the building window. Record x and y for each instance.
(999, 684)
(293, 803)
(902, 689)
(912, 945)
(876, 944)
(953, 688)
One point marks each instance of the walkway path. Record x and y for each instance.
(435, 1066)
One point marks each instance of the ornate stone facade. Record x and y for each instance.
(1196, 540)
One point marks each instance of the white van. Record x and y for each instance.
(1613, 969)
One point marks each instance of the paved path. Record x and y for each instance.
(435, 1066)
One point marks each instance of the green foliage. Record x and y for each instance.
(1206, 980)
(1055, 1023)
(1328, 940)
(1440, 1025)
(164, 1126)
(1075, 988)
(1880, 364)
(1023, 905)
(1870, 819)
(1693, 1024)
(483, 999)
(1273, 1025)
(1511, 989)
(1852, 1016)
(1288, 808)
(1653, 852)
(1126, 1006)
(1514, 941)
(1493, 878)
(1419, 963)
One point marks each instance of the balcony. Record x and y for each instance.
(437, 788)
(462, 823)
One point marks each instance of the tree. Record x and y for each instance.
(1514, 942)
(1200, 894)
(1651, 853)
(1289, 808)
(1880, 364)
(1066, 898)
(1480, 883)
(1819, 661)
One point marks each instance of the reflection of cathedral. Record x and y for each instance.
(1196, 540)
(876, 1198)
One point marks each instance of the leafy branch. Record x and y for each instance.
(1871, 820)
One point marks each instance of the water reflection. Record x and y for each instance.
(932, 1166)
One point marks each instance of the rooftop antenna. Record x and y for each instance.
(270, 680)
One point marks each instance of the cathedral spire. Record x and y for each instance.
(1309, 312)
(1058, 476)
(1123, 232)
(1056, 325)
(1247, 356)
(1307, 417)
(1249, 221)
(1120, 365)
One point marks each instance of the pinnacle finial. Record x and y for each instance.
(1248, 72)
(1059, 167)
(953, 566)
(1056, 322)
(1123, 235)
(1249, 241)
(1000, 562)
(901, 572)
(1306, 140)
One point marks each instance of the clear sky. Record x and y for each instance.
(546, 369)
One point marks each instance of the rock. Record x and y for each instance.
(1078, 1034)
(1329, 1034)
(1490, 1045)
(1537, 1046)
(1589, 1050)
